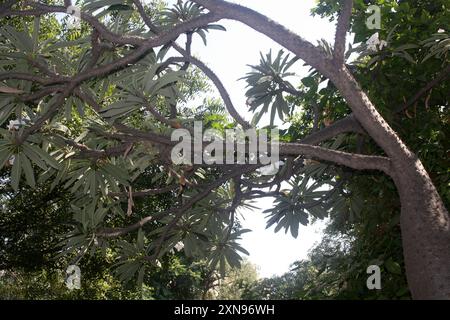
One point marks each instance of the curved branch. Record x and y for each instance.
(117, 232)
(348, 124)
(145, 17)
(311, 54)
(363, 109)
(145, 46)
(217, 82)
(41, 93)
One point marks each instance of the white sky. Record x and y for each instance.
(228, 53)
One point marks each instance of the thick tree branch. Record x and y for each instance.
(341, 30)
(187, 57)
(219, 85)
(363, 109)
(38, 95)
(354, 161)
(348, 124)
(277, 32)
(143, 45)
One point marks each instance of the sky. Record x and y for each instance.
(228, 54)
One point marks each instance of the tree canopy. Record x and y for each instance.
(87, 114)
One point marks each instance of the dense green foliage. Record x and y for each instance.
(32, 224)
(35, 219)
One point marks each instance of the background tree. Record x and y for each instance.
(236, 281)
(32, 223)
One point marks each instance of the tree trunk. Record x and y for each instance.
(424, 221)
(425, 227)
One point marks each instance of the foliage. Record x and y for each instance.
(266, 85)
(236, 282)
(89, 113)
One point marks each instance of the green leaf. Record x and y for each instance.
(140, 278)
(393, 267)
(28, 169)
(167, 79)
(116, 171)
(92, 5)
(119, 7)
(6, 108)
(163, 51)
(119, 109)
(294, 229)
(272, 114)
(5, 155)
(309, 82)
(216, 27)
(15, 172)
(36, 28)
(45, 156)
(140, 240)
(264, 79)
(202, 34)
(222, 266)
(34, 157)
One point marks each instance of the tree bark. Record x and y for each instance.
(424, 222)
(425, 227)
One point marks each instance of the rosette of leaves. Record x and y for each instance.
(293, 207)
(267, 83)
(141, 88)
(22, 157)
(311, 195)
(225, 250)
(184, 11)
(132, 259)
(88, 215)
(89, 177)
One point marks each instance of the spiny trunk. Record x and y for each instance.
(425, 227)
(424, 220)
